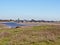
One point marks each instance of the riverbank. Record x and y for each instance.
(3, 26)
(38, 24)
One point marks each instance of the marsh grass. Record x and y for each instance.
(36, 35)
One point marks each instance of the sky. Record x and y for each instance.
(30, 9)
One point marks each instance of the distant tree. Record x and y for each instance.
(43, 21)
(10, 20)
(32, 20)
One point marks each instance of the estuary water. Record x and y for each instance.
(12, 24)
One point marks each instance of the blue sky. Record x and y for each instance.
(30, 9)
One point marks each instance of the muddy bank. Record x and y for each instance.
(3, 26)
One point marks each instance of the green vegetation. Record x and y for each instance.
(37, 35)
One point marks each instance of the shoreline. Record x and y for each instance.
(28, 24)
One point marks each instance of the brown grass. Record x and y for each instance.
(36, 35)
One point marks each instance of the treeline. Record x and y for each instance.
(6, 20)
(32, 20)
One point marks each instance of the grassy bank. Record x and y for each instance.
(37, 35)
